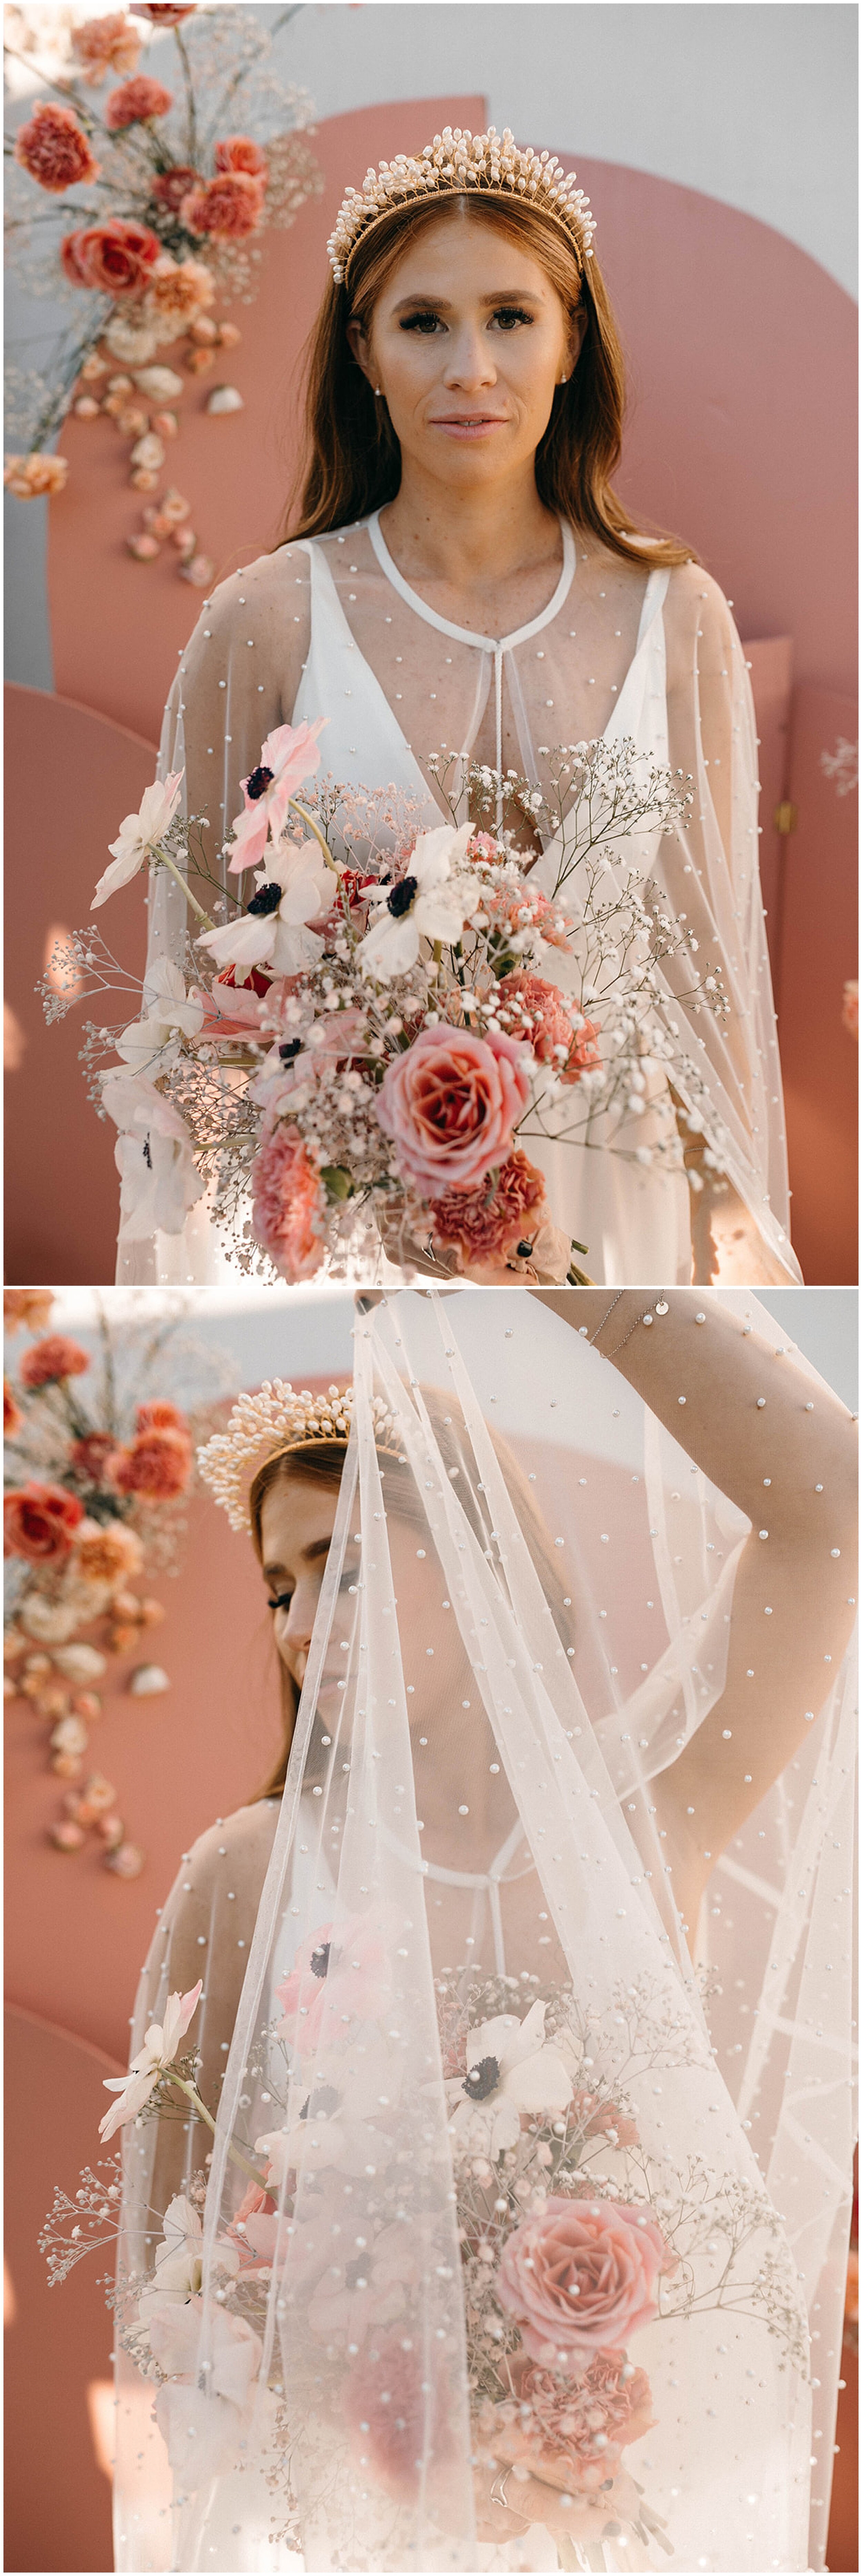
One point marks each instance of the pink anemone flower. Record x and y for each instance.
(348, 1967)
(288, 756)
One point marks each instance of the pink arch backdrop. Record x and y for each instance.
(741, 355)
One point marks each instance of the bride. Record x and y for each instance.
(494, 2238)
(462, 585)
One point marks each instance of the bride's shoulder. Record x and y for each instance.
(242, 1839)
(256, 589)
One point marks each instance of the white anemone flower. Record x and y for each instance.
(159, 1179)
(167, 1008)
(510, 2069)
(432, 901)
(154, 2060)
(294, 887)
(139, 833)
(179, 2258)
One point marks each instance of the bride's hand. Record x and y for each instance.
(728, 1251)
(528, 2499)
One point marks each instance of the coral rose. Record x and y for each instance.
(106, 44)
(107, 1554)
(449, 1104)
(163, 13)
(28, 1306)
(289, 1205)
(581, 2277)
(488, 1223)
(54, 148)
(570, 2437)
(39, 1523)
(113, 258)
(135, 102)
(54, 1358)
(238, 152)
(170, 187)
(156, 1467)
(228, 207)
(557, 1035)
(12, 1414)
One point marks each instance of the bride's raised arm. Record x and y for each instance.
(783, 1448)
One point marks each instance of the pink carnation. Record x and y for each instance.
(570, 2437)
(288, 1204)
(105, 44)
(598, 2119)
(237, 152)
(449, 1104)
(539, 1013)
(134, 102)
(92, 1456)
(581, 2277)
(526, 909)
(55, 1358)
(156, 1467)
(228, 206)
(169, 187)
(486, 1224)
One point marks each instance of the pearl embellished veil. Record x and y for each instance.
(329, 627)
(451, 2024)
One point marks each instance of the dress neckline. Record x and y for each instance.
(464, 634)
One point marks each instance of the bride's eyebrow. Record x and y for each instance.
(440, 303)
(309, 1555)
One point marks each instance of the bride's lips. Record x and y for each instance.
(468, 425)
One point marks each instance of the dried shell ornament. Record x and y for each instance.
(225, 398)
(147, 1681)
(160, 384)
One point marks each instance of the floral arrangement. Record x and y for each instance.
(168, 204)
(93, 1500)
(378, 1035)
(573, 2241)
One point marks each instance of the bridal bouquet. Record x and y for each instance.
(361, 1051)
(574, 2241)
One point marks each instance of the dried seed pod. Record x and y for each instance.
(229, 335)
(132, 422)
(87, 1704)
(145, 550)
(151, 1613)
(204, 332)
(175, 508)
(149, 452)
(166, 424)
(86, 407)
(144, 479)
(198, 360)
(111, 1831)
(154, 519)
(65, 1834)
(71, 1736)
(200, 571)
(160, 384)
(121, 384)
(66, 1766)
(225, 398)
(53, 1701)
(127, 1861)
(100, 1796)
(81, 1663)
(185, 541)
(92, 368)
(147, 1681)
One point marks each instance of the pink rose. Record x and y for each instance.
(237, 152)
(114, 258)
(581, 2277)
(39, 1522)
(450, 1104)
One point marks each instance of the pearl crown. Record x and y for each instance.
(270, 1425)
(457, 164)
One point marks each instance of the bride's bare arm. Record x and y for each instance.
(784, 1449)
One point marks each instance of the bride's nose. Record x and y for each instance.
(470, 360)
(296, 1628)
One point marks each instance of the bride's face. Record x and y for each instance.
(468, 341)
(297, 1522)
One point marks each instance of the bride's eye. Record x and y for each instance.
(424, 322)
(280, 1601)
(506, 313)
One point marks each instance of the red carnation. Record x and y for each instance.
(54, 1358)
(228, 207)
(134, 102)
(171, 186)
(156, 1466)
(38, 1522)
(53, 147)
(113, 258)
(161, 1416)
(238, 152)
(91, 1457)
